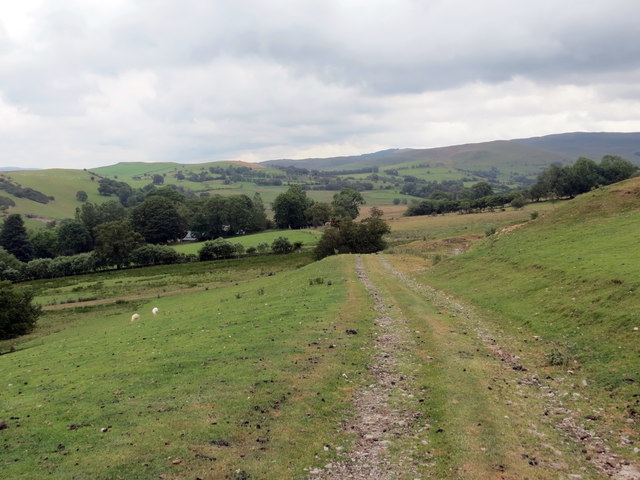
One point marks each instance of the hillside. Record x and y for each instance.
(590, 145)
(500, 154)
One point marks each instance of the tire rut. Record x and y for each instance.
(596, 447)
(380, 416)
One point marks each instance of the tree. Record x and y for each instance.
(158, 179)
(350, 237)
(14, 239)
(18, 316)
(158, 220)
(349, 200)
(45, 244)
(615, 169)
(481, 189)
(82, 196)
(289, 208)
(10, 266)
(73, 238)
(319, 213)
(115, 241)
(259, 214)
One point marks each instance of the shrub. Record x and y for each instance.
(282, 245)
(218, 248)
(154, 255)
(534, 215)
(490, 231)
(263, 247)
(18, 316)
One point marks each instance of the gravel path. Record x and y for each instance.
(595, 447)
(380, 416)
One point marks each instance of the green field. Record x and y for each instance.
(309, 238)
(229, 379)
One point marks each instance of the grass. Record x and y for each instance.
(62, 184)
(309, 238)
(560, 285)
(234, 379)
(161, 280)
(424, 228)
(477, 420)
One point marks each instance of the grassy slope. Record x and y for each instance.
(565, 287)
(238, 364)
(62, 184)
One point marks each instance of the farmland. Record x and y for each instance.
(485, 350)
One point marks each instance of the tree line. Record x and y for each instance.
(115, 234)
(585, 174)
(553, 182)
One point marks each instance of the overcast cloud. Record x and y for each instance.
(87, 83)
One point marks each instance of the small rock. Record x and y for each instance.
(176, 462)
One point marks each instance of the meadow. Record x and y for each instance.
(308, 237)
(226, 380)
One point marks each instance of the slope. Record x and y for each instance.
(564, 287)
(592, 145)
(570, 276)
(500, 154)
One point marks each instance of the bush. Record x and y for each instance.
(263, 247)
(534, 215)
(218, 248)
(18, 316)
(154, 255)
(490, 231)
(10, 267)
(282, 245)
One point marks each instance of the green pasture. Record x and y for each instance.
(62, 184)
(160, 280)
(405, 230)
(308, 237)
(240, 381)
(568, 278)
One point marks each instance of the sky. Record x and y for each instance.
(87, 83)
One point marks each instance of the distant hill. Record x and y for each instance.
(521, 154)
(590, 145)
(505, 163)
(497, 154)
(15, 169)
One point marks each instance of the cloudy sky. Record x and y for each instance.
(85, 83)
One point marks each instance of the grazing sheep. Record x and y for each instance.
(135, 316)
(154, 310)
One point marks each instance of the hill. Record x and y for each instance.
(499, 154)
(569, 279)
(590, 145)
(380, 176)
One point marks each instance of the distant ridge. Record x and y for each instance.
(592, 145)
(539, 151)
(15, 169)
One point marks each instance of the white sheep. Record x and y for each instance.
(135, 316)
(154, 310)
